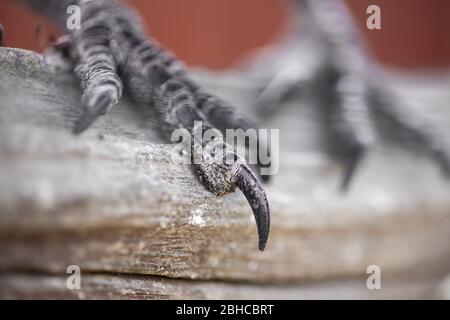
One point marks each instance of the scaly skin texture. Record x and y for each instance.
(111, 51)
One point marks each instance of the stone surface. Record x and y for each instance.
(114, 199)
(105, 286)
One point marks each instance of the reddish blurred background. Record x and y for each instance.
(215, 33)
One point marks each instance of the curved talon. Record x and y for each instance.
(247, 182)
(94, 109)
(350, 165)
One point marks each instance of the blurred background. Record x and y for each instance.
(215, 34)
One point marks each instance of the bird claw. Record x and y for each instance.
(116, 43)
(97, 106)
(222, 178)
(350, 165)
(249, 185)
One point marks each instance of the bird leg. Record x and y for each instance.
(111, 51)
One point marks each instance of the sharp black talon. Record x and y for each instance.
(247, 182)
(350, 166)
(92, 112)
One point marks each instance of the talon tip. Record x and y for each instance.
(247, 182)
(81, 125)
(350, 167)
(262, 244)
(92, 112)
